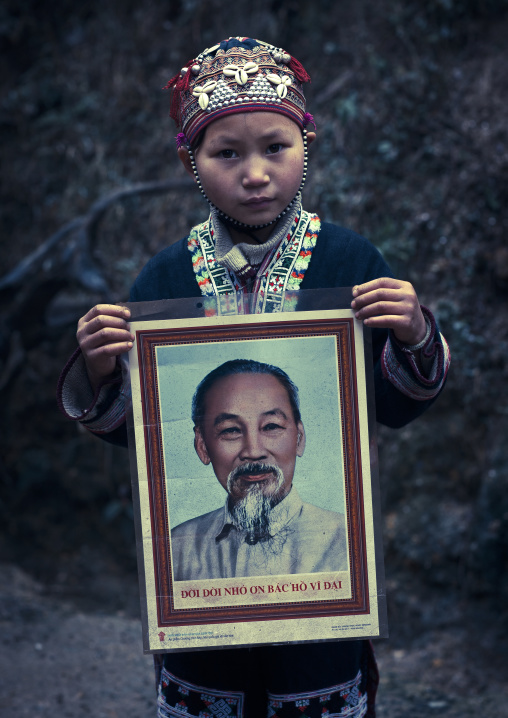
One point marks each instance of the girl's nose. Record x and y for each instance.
(255, 173)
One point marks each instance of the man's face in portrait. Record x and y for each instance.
(250, 436)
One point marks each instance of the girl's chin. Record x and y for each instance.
(253, 215)
(254, 218)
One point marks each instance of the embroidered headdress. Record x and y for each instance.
(237, 75)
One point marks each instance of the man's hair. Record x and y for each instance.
(242, 366)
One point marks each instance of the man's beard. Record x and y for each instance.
(251, 503)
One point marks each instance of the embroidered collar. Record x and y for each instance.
(282, 270)
(244, 259)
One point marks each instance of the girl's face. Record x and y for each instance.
(250, 165)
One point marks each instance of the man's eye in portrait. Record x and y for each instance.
(273, 427)
(230, 432)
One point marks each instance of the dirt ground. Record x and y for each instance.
(60, 661)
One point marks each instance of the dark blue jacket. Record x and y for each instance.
(341, 258)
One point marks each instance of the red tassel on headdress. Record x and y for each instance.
(299, 71)
(179, 83)
(308, 119)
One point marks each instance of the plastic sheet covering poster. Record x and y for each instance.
(254, 495)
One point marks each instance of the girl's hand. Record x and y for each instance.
(103, 334)
(390, 304)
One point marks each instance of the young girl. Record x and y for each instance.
(243, 137)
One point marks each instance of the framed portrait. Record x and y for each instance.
(254, 473)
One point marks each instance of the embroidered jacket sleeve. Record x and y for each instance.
(423, 379)
(102, 411)
(342, 258)
(168, 275)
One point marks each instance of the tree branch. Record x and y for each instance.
(86, 226)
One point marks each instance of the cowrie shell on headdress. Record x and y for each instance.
(241, 74)
(230, 70)
(198, 91)
(196, 69)
(241, 77)
(282, 83)
(202, 94)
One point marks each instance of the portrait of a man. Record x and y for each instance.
(248, 428)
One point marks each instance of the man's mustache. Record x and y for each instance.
(253, 469)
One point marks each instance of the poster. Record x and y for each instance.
(254, 495)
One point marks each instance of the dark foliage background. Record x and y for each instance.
(410, 99)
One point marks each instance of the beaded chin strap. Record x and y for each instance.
(232, 220)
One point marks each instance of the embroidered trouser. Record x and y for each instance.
(291, 681)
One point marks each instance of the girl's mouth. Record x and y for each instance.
(258, 202)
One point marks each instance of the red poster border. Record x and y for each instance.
(343, 329)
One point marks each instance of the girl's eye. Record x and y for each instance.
(228, 154)
(273, 149)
